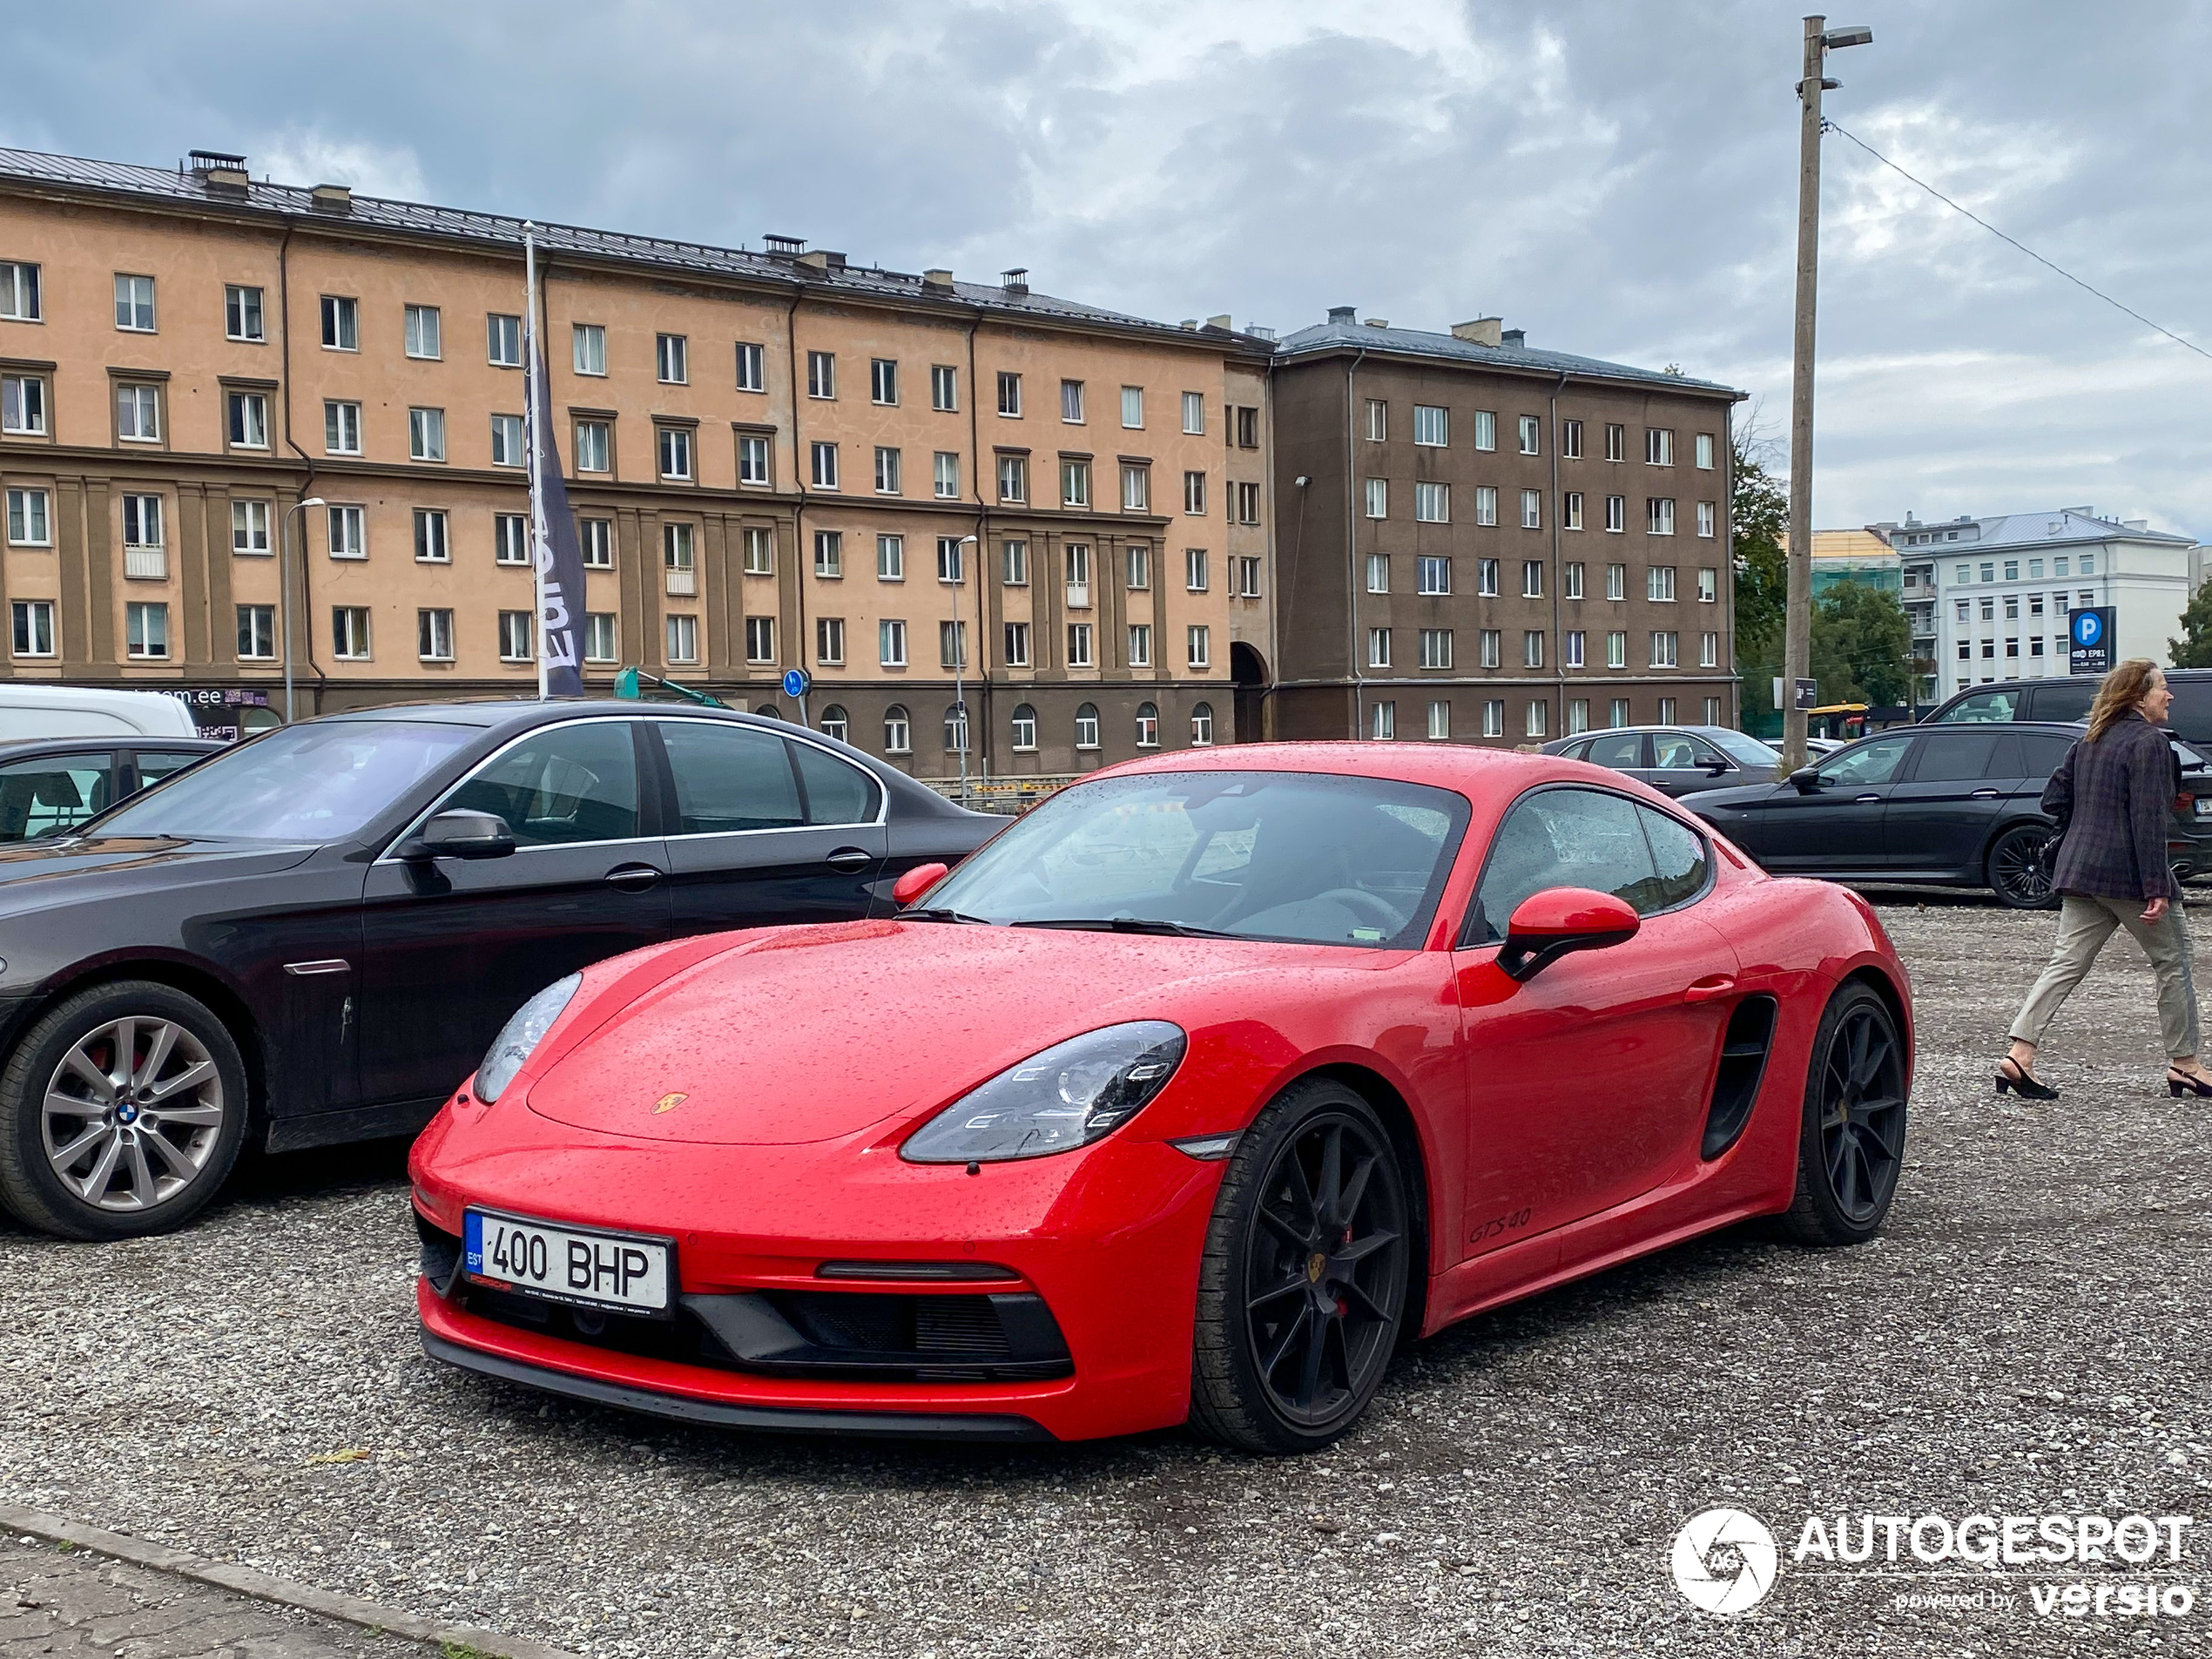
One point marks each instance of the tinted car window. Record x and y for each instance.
(1677, 861)
(1985, 706)
(837, 790)
(1867, 763)
(729, 778)
(1946, 756)
(2043, 754)
(2067, 699)
(154, 765)
(1619, 753)
(1673, 749)
(574, 783)
(1561, 838)
(2191, 714)
(57, 792)
(1746, 749)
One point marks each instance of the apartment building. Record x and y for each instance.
(777, 458)
(1479, 541)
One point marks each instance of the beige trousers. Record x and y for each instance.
(2084, 927)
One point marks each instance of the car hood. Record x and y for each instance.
(811, 1034)
(37, 874)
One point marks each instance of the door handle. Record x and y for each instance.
(849, 858)
(1984, 794)
(1706, 989)
(632, 878)
(1859, 799)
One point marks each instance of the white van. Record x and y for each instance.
(30, 710)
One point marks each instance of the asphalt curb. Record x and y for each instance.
(247, 1581)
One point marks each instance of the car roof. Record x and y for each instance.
(40, 748)
(1455, 767)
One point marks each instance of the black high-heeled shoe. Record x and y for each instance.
(2179, 1082)
(2023, 1083)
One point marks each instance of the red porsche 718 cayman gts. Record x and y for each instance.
(1190, 1096)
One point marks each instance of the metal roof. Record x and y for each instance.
(504, 233)
(1415, 342)
(2061, 525)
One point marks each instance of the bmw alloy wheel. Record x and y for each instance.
(133, 1114)
(2016, 871)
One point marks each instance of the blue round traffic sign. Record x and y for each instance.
(2088, 627)
(796, 682)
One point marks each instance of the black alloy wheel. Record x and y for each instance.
(1302, 1293)
(1852, 1144)
(2017, 874)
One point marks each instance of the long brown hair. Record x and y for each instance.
(2118, 693)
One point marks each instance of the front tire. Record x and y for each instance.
(1851, 1144)
(2015, 870)
(121, 1113)
(1302, 1290)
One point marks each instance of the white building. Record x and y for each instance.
(1988, 598)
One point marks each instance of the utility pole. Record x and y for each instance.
(1796, 648)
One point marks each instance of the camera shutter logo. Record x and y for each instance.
(1723, 1561)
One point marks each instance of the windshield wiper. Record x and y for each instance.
(938, 912)
(1126, 925)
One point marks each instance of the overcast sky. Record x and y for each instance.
(1617, 179)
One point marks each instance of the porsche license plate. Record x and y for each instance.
(567, 1263)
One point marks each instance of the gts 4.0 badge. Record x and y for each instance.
(670, 1102)
(1492, 1229)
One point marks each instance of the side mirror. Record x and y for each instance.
(1547, 925)
(1807, 780)
(1714, 768)
(462, 835)
(915, 882)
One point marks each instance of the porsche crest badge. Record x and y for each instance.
(669, 1103)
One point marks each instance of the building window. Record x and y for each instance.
(1432, 426)
(1379, 573)
(1133, 407)
(1486, 504)
(350, 632)
(1433, 503)
(890, 558)
(137, 415)
(1532, 648)
(596, 538)
(1570, 440)
(1377, 420)
(1439, 720)
(1531, 434)
(883, 380)
(1538, 724)
(134, 305)
(1071, 402)
(1138, 558)
(1436, 648)
(824, 465)
(1705, 451)
(887, 471)
(1486, 577)
(821, 374)
(1433, 574)
(1378, 497)
(1571, 647)
(588, 344)
(426, 435)
(1659, 516)
(141, 521)
(1147, 726)
(1246, 502)
(249, 528)
(18, 291)
(753, 367)
(1617, 649)
(1659, 584)
(1570, 511)
(1382, 721)
(1010, 393)
(248, 415)
(1665, 647)
(241, 311)
(945, 473)
(514, 636)
(1201, 726)
(1194, 494)
(896, 737)
(675, 446)
(829, 641)
(1578, 714)
(1013, 478)
(1616, 713)
(683, 638)
(955, 728)
(432, 543)
(944, 386)
(349, 536)
(1194, 413)
(1616, 514)
(1658, 447)
(506, 440)
(1079, 648)
(1087, 726)
(1709, 651)
(1378, 648)
(1616, 441)
(1571, 581)
(1485, 429)
(671, 360)
(1532, 509)
(1532, 579)
(1075, 483)
(1488, 643)
(835, 723)
(1014, 557)
(1494, 717)
(1017, 644)
(1136, 489)
(1666, 711)
(951, 567)
(829, 554)
(891, 643)
(1246, 567)
(510, 538)
(1616, 580)
(1140, 644)
(599, 637)
(1194, 569)
(33, 621)
(23, 405)
(504, 340)
(759, 551)
(146, 629)
(594, 446)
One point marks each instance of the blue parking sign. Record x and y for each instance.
(2089, 640)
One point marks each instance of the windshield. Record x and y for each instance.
(318, 782)
(1283, 855)
(1741, 747)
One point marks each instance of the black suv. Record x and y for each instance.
(2068, 697)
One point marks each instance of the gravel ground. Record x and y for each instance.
(2029, 1336)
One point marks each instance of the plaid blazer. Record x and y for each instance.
(2116, 798)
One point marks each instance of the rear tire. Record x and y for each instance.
(1302, 1289)
(121, 1113)
(1850, 1144)
(2014, 869)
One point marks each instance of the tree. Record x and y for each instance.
(1862, 646)
(2194, 650)
(1759, 514)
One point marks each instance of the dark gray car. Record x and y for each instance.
(1675, 759)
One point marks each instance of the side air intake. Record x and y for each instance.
(1743, 1052)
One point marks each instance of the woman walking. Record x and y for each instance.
(2114, 793)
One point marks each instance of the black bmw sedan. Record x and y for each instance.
(314, 937)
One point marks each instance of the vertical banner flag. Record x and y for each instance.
(556, 557)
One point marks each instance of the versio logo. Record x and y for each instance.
(1723, 1561)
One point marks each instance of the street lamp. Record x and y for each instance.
(960, 655)
(284, 540)
(1796, 637)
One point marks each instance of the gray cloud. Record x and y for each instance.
(1618, 179)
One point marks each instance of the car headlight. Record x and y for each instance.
(1067, 1097)
(521, 1034)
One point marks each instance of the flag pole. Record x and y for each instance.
(532, 440)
